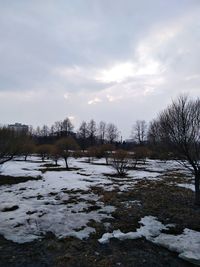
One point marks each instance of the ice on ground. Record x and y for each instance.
(187, 244)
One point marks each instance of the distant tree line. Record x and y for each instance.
(88, 134)
(174, 134)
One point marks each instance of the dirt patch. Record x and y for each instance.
(9, 180)
(43, 170)
(12, 208)
(115, 175)
(169, 203)
(49, 165)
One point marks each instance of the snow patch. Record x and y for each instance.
(187, 244)
(187, 186)
(151, 227)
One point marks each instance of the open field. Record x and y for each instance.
(88, 216)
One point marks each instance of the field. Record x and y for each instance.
(87, 216)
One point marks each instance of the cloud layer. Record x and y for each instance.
(109, 60)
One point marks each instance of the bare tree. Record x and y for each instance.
(102, 131)
(38, 131)
(10, 144)
(28, 147)
(30, 130)
(65, 147)
(92, 153)
(139, 131)
(52, 130)
(58, 128)
(153, 132)
(45, 131)
(54, 154)
(92, 129)
(106, 150)
(112, 133)
(179, 129)
(83, 134)
(139, 154)
(67, 126)
(119, 160)
(43, 151)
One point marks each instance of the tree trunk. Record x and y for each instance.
(197, 189)
(67, 167)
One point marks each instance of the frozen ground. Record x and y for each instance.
(62, 202)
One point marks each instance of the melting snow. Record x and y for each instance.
(187, 245)
(62, 202)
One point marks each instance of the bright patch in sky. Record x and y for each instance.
(117, 73)
(94, 101)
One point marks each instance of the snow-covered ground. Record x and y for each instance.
(53, 203)
(62, 202)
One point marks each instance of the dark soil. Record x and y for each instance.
(9, 180)
(71, 252)
(43, 170)
(10, 208)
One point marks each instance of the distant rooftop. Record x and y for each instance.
(18, 127)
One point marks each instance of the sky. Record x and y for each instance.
(113, 60)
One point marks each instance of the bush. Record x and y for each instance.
(119, 160)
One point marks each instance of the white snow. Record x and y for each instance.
(187, 245)
(151, 227)
(21, 168)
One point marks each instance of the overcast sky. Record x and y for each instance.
(111, 60)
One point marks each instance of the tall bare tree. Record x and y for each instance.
(10, 144)
(179, 129)
(92, 130)
(83, 134)
(58, 128)
(67, 126)
(65, 147)
(139, 131)
(112, 133)
(153, 132)
(102, 131)
(45, 130)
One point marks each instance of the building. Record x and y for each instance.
(18, 127)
